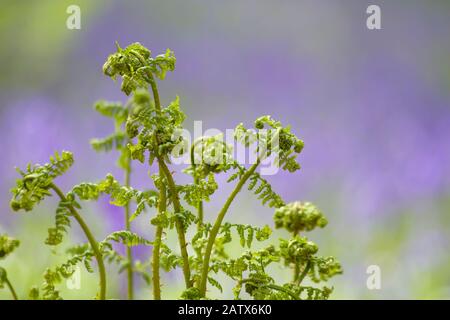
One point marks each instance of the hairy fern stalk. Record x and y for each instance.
(145, 130)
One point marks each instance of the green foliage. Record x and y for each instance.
(33, 187)
(200, 191)
(297, 249)
(147, 130)
(272, 138)
(210, 155)
(84, 254)
(247, 233)
(56, 275)
(127, 238)
(261, 286)
(119, 139)
(156, 131)
(119, 195)
(62, 222)
(260, 187)
(116, 141)
(299, 216)
(114, 110)
(135, 65)
(7, 245)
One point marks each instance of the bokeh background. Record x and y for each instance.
(372, 106)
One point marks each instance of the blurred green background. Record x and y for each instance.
(372, 106)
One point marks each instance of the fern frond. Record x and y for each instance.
(215, 283)
(134, 63)
(120, 195)
(200, 191)
(323, 268)
(115, 141)
(247, 233)
(33, 187)
(127, 238)
(298, 216)
(7, 245)
(260, 186)
(62, 223)
(54, 276)
(275, 139)
(113, 110)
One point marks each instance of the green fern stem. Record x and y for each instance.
(174, 193)
(128, 228)
(178, 223)
(296, 272)
(304, 273)
(297, 265)
(162, 206)
(94, 245)
(200, 214)
(215, 229)
(11, 289)
(200, 203)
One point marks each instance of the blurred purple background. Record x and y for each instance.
(373, 108)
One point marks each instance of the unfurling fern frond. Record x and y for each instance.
(323, 268)
(54, 276)
(127, 238)
(62, 223)
(7, 245)
(148, 130)
(59, 164)
(169, 260)
(33, 187)
(136, 66)
(84, 254)
(210, 154)
(297, 250)
(298, 216)
(157, 131)
(200, 191)
(120, 195)
(247, 233)
(272, 138)
(260, 186)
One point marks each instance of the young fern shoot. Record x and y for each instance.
(119, 141)
(147, 130)
(36, 184)
(7, 246)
